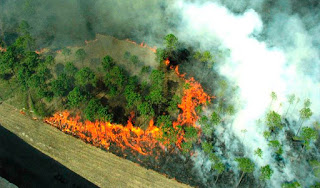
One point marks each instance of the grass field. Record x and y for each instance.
(99, 167)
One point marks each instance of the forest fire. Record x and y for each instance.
(193, 97)
(90, 41)
(3, 49)
(143, 45)
(41, 51)
(103, 134)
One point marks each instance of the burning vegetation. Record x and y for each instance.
(103, 133)
(152, 115)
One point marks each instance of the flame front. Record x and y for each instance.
(193, 97)
(103, 134)
(41, 51)
(143, 45)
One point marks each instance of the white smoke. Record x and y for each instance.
(291, 65)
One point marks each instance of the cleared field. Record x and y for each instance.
(104, 45)
(99, 167)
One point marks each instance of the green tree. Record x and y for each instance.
(156, 97)
(308, 135)
(246, 166)
(186, 147)
(62, 85)
(315, 168)
(291, 99)
(258, 152)
(107, 63)
(207, 147)
(230, 110)
(219, 167)
(305, 113)
(70, 69)
(24, 43)
(316, 185)
(134, 59)
(171, 42)
(307, 103)
(10, 60)
(31, 60)
(145, 109)
(75, 97)
(207, 129)
(161, 55)
(85, 76)
(273, 98)
(126, 55)
(206, 56)
(145, 69)
(265, 172)
(274, 120)
(275, 144)
(92, 109)
(215, 118)
(49, 60)
(191, 133)
(115, 78)
(23, 76)
(266, 134)
(133, 98)
(164, 121)
(24, 27)
(169, 134)
(173, 103)
(294, 184)
(66, 52)
(81, 55)
(104, 115)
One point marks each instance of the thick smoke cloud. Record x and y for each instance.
(59, 22)
(277, 53)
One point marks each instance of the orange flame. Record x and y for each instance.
(103, 134)
(41, 51)
(143, 45)
(3, 49)
(193, 96)
(90, 41)
(167, 62)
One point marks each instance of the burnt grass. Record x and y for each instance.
(173, 164)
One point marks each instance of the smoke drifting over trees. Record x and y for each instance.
(265, 46)
(66, 22)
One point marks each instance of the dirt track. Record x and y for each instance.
(99, 167)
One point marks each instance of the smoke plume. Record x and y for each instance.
(276, 53)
